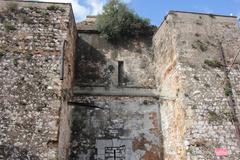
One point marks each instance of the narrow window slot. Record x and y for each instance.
(120, 73)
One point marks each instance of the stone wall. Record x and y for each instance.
(99, 61)
(69, 51)
(114, 112)
(68, 94)
(103, 125)
(197, 114)
(31, 91)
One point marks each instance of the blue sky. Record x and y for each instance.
(155, 10)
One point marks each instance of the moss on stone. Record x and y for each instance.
(55, 8)
(227, 89)
(1, 54)
(25, 18)
(213, 63)
(200, 45)
(227, 114)
(213, 117)
(8, 26)
(12, 6)
(212, 16)
(29, 56)
(15, 62)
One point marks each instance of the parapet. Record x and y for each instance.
(88, 25)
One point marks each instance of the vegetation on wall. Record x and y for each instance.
(55, 8)
(8, 26)
(117, 22)
(213, 63)
(12, 6)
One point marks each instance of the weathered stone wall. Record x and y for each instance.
(121, 117)
(196, 111)
(168, 81)
(97, 62)
(31, 37)
(46, 77)
(128, 125)
(69, 51)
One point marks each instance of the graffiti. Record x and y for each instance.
(115, 153)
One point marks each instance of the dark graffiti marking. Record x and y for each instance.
(115, 153)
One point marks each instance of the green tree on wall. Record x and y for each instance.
(117, 22)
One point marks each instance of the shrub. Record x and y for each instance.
(117, 21)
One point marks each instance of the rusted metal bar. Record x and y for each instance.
(86, 105)
(62, 61)
(232, 102)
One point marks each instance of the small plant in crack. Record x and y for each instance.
(228, 89)
(213, 63)
(15, 62)
(8, 26)
(200, 45)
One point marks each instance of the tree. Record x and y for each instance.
(117, 21)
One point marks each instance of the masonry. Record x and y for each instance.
(68, 93)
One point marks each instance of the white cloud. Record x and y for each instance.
(91, 7)
(96, 6)
(127, 1)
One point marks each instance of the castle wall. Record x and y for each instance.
(68, 94)
(196, 112)
(114, 112)
(31, 40)
(69, 51)
(127, 127)
(98, 62)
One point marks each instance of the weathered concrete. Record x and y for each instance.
(130, 126)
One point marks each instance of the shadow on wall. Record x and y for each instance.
(89, 64)
(99, 63)
(10, 152)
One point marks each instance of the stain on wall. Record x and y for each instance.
(98, 62)
(111, 126)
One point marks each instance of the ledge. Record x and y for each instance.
(102, 91)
